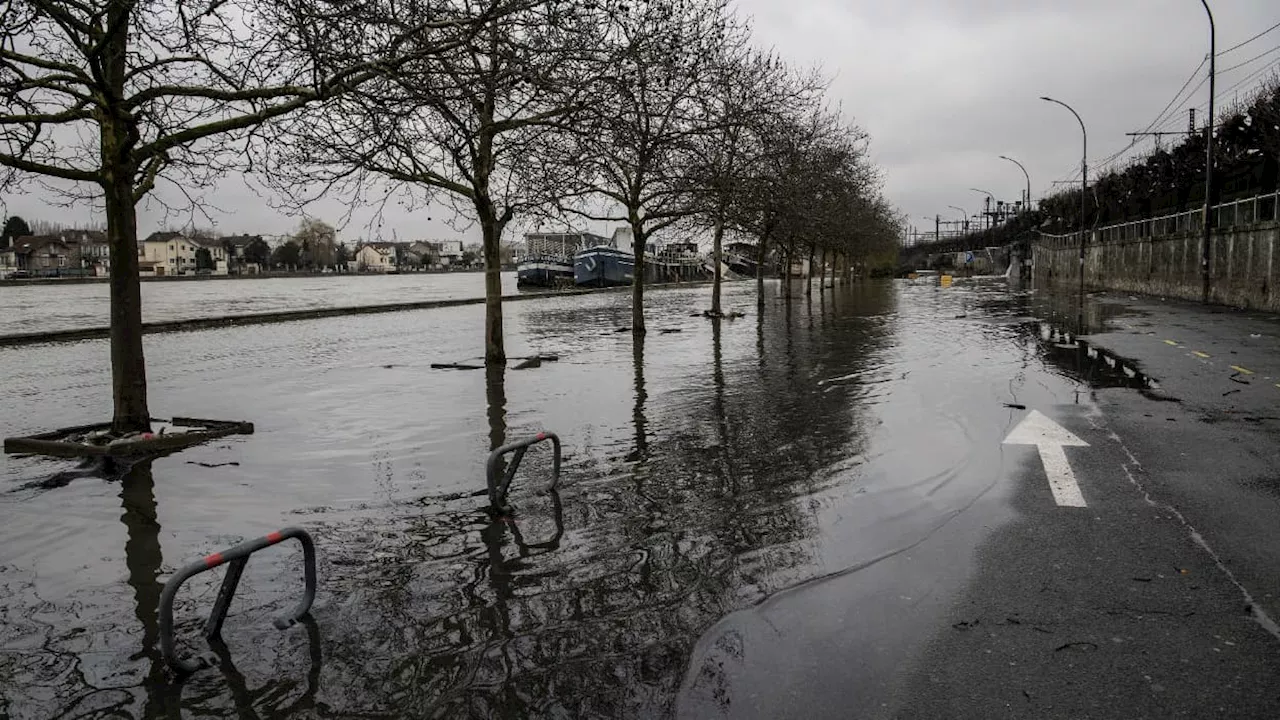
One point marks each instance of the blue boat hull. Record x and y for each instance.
(603, 267)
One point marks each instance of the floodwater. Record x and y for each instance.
(45, 307)
(718, 481)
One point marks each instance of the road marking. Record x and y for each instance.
(1199, 354)
(1050, 438)
(1244, 371)
(1171, 342)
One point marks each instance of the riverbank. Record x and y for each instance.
(206, 323)
(18, 282)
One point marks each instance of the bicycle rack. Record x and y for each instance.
(498, 487)
(237, 557)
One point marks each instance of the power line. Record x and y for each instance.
(1246, 62)
(1246, 42)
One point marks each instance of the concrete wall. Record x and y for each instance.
(1244, 268)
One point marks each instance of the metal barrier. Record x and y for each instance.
(237, 557)
(498, 486)
(1261, 208)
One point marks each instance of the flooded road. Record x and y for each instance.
(741, 502)
(46, 307)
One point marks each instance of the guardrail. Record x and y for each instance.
(500, 481)
(1260, 208)
(236, 557)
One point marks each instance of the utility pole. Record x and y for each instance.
(937, 227)
(1208, 155)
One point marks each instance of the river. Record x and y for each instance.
(45, 307)
(707, 469)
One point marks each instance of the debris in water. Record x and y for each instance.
(1077, 647)
(213, 465)
(1015, 406)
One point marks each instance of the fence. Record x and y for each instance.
(1261, 208)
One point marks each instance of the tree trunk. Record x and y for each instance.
(491, 232)
(128, 364)
(762, 253)
(117, 137)
(637, 282)
(717, 256)
(808, 275)
(786, 272)
(822, 272)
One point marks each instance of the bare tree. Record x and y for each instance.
(635, 155)
(119, 95)
(470, 123)
(751, 92)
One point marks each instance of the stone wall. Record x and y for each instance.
(1244, 267)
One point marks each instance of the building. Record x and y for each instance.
(90, 251)
(166, 254)
(449, 252)
(8, 262)
(424, 252)
(246, 254)
(376, 257)
(42, 255)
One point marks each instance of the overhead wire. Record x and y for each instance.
(1237, 46)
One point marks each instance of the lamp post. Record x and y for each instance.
(1084, 189)
(937, 227)
(991, 201)
(964, 216)
(1208, 158)
(1026, 200)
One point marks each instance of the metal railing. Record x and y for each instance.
(500, 481)
(236, 557)
(1247, 211)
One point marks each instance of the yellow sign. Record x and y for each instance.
(946, 281)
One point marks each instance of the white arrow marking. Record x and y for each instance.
(1049, 438)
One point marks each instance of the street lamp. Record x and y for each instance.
(1027, 200)
(937, 227)
(991, 201)
(964, 215)
(1084, 189)
(1208, 156)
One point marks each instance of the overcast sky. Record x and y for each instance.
(944, 87)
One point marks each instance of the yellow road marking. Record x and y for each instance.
(1199, 354)
(1171, 342)
(1239, 369)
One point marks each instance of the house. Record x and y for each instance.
(424, 252)
(165, 254)
(376, 257)
(90, 250)
(217, 253)
(247, 254)
(8, 262)
(449, 252)
(42, 255)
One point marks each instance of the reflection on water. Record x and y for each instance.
(704, 471)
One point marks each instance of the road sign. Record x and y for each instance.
(968, 258)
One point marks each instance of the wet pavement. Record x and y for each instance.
(808, 511)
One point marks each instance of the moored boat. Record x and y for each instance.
(603, 266)
(543, 271)
(548, 258)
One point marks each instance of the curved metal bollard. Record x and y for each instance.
(237, 557)
(498, 486)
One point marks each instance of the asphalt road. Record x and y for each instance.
(1152, 592)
